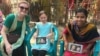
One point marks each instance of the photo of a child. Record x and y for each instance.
(78, 48)
(73, 47)
(41, 40)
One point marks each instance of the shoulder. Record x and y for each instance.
(9, 19)
(49, 23)
(38, 23)
(92, 26)
(10, 15)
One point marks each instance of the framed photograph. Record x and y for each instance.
(41, 40)
(73, 47)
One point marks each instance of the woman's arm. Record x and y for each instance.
(88, 48)
(35, 35)
(50, 34)
(7, 44)
(91, 41)
(94, 40)
(65, 40)
(3, 33)
(65, 32)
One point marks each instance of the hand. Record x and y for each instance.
(85, 51)
(47, 37)
(8, 49)
(34, 36)
(66, 45)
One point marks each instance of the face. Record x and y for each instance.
(80, 19)
(43, 18)
(78, 48)
(23, 9)
(73, 47)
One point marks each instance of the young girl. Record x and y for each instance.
(43, 30)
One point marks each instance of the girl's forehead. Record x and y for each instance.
(43, 15)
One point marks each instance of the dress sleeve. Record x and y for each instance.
(94, 33)
(9, 20)
(65, 31)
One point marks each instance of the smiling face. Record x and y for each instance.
(43, 17)
(23, 9)
(80, 19)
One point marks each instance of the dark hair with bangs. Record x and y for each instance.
(83, 10)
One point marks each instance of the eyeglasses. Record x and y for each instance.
(22, 7)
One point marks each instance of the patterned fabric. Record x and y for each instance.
(88, 33)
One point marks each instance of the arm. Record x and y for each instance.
(65, 40)
(3, 33)
(65, 37)
(35, 34)
(7, 44)
(88, 48)
(51, 31)
(93, 40)
(50, 34)
(6, 26)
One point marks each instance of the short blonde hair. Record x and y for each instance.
(25, 2)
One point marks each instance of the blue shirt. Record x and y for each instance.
(43, 31)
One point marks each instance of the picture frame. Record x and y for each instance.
(41, 40)
(73, 47)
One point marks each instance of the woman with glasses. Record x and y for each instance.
(13, 31)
